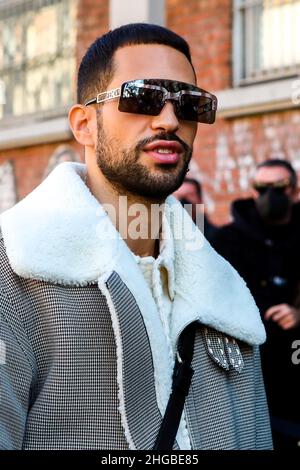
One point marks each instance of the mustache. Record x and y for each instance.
(163, 136)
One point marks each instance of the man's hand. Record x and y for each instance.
(285, 315)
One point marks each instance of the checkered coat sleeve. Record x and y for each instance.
(16, 378)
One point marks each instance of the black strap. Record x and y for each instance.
(182, 377)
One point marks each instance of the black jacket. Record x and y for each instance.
(268, 258)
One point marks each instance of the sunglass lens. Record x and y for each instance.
(140, 100)
(261, 189)
(196, 108)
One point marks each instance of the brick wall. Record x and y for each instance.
(239, 145)
(30, 163)
(206, 25)
(225, 154)
(92, 21)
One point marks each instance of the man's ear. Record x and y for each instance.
(83, 122)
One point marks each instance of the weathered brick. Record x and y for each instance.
(224, 154)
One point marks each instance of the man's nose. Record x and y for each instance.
(167, 119)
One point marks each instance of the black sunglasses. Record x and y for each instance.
(280, 185)
(148, 96)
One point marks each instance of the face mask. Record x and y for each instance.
(273, 205)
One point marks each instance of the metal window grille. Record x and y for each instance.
(266, 40)
(37, 57)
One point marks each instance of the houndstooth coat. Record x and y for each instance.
(84, 360)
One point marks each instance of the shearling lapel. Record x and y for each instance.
(60, 233)
(140, 414)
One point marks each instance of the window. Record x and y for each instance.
(266, 40)
(37, 57)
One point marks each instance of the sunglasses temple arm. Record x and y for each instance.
(107, 95)
(94, 100)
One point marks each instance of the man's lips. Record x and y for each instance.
(173, 145)
(172, 150)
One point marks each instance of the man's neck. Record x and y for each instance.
(138, 225)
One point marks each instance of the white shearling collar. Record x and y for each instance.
(60, 233)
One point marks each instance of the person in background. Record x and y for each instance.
(262, 243)
(190, 192)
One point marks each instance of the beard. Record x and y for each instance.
(128, 176)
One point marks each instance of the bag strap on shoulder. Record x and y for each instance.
(182, 377)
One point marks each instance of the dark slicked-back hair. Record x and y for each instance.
(283, 164)
(96, 68)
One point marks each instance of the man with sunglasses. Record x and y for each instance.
(96, 310)
(262, 243)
